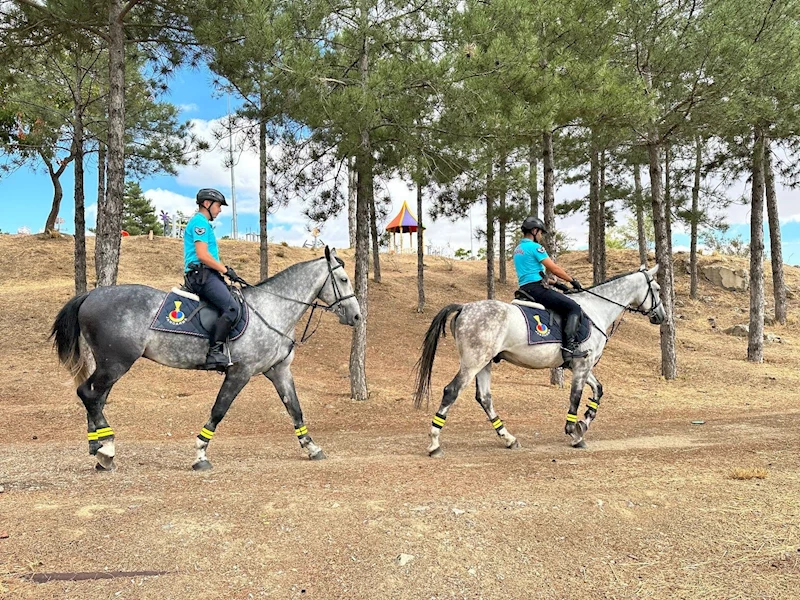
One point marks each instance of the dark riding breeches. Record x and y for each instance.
(566, 307)
(211, 287)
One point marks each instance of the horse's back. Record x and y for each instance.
(120, 306)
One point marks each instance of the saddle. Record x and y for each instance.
(543, 326)
(183, 312)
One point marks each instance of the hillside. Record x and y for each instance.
(649, 510)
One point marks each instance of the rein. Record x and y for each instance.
(314, 305)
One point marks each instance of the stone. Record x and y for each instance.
(727, 278)
(740, 330)
(771, 338)
(458, 511)
(404, 559)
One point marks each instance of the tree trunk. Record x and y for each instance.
(549, 210)
(58, 190)
(352, 183)
(668, 215)
(358, 352)
(490, 287)
(755, 339)
(638, 198)
(373, 227)
(420, 254)
(695, 218)
(80, 204)
(776, 253)
(594, 201)
(502, 220)
(109, 214)
(669, 364)
(549, 207)
(600, 238)
(263, 203)
(533, 178)
(101, 173)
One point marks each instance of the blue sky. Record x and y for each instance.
(26, 195)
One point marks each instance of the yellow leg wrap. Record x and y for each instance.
(92, 435)
(497, 423)
(301, 431)
(572, 418)
(206, 434)
(104, 432)
(592, 404)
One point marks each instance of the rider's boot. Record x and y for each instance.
(217, 359)
(569, 349)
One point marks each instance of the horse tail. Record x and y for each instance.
(66, 336)
(424, 366)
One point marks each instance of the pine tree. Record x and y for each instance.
(138, 213)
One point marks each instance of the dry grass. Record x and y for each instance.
(745, 473)
(643, 513)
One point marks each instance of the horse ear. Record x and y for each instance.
(642, 268)
(652, 272)
(327, 254)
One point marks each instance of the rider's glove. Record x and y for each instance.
(231, 274)
(576, 284)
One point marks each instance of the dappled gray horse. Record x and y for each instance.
(490, 329)
(85, 333)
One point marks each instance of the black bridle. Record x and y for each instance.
(649, 295)
(332, 307)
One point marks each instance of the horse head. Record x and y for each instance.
(649, 300)
(338, 292)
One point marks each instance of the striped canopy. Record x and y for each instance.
(404, 222)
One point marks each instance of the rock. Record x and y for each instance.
(3, 535)
(473, 572)
(771, 338)
(713, 322)
(725, 277)
(740, 330)
(404, 559)
(458, 511)
(2, 489)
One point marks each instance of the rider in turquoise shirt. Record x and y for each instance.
(203, 272)
(532, 264)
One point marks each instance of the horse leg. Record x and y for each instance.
(235, 380)
(451, 392)
(593, 402)
(483, 395)
(281, 378)
(93, 393)
(573, 427)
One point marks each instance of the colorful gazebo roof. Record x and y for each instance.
(404, 222)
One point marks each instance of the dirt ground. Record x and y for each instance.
(655, 507)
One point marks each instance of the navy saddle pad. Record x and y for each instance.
(183, 312)
(544, 329)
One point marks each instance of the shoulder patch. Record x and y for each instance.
(199, 230)
(540, 249)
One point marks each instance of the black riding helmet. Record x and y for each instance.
(531, 223)
(211, 194)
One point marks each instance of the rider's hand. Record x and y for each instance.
(576, 284)
(231, 274)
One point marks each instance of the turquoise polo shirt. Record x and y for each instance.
(198, 229)
(528, 259)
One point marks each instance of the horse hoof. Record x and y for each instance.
(438, 453)
(93, 448)
(318, 456)
(105, 468)
(202, 465)
(581, 444)
(515, 446)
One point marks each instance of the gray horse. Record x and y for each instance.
(84, 334)
(490, 330)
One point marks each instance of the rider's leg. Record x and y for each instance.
(568, 310)
(214, 291)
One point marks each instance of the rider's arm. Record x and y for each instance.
(201, 248)
(553, 268)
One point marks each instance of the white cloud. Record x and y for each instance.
(170, 202)
(191, 107)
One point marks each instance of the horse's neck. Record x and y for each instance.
(287, 295)
(603, 313)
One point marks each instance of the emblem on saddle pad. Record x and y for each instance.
(541, 329)
(176, 316)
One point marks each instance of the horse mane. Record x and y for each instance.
(279, 274)
(609, 280)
